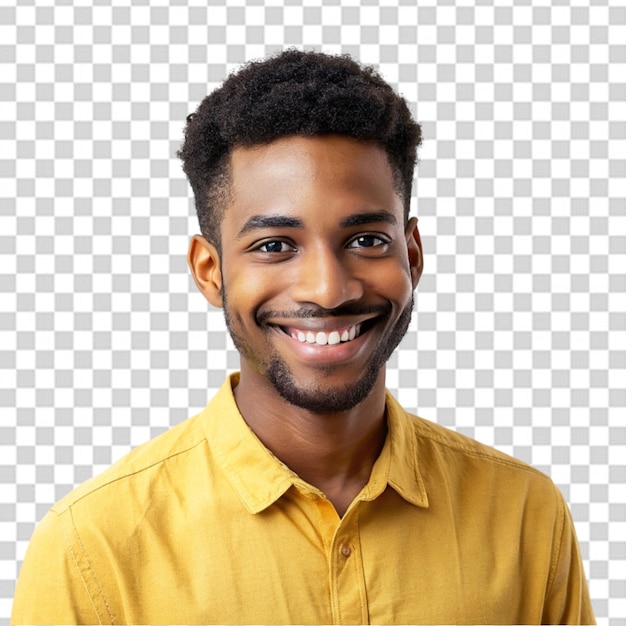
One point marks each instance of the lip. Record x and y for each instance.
(324, 324)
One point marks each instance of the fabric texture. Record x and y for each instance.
(204, 525)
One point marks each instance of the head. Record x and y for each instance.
(293, 93)
(301, 167)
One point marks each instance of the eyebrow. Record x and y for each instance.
(358, 219)
(269, 221)
(258, 222)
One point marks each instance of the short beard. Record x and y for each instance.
(322, 400)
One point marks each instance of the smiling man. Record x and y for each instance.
(304, 493)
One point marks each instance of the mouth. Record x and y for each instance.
(328, 337)
(322, 338)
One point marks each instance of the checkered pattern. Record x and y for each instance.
(519, 334)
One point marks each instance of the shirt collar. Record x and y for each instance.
(404, 473)
(260, 478)
(254, 472)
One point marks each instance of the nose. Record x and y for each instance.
(325, 278)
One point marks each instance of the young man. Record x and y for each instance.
(304, 493)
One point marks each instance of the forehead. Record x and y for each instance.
(314, 152)
(296, 172)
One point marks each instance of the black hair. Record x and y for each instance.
(293, 93)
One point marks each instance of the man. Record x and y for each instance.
(303, 493)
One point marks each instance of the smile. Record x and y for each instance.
(323, 338)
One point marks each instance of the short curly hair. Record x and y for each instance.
(293, 93)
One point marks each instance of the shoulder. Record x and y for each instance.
(446, 459)
(484, 484)
(447, 441)
(449, 444)
(141, 465)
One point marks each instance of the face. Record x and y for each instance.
(317, 269)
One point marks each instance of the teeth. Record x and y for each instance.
(333, 338)
(322, 339)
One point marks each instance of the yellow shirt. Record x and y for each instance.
(204, 525)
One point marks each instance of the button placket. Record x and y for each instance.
(348, 593)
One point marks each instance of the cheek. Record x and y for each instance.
(246, 291)
(394, 282)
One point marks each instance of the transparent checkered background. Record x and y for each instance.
(519, 336)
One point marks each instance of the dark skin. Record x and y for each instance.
(316, 274)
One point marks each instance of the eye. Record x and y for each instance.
(368, 241)
(275, 246)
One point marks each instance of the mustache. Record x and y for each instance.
(345, 310)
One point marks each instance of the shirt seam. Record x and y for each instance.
(358, 561)
(75, 560)
(126, 475)
(556, 551)
(482, 455)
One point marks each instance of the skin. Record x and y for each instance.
(313, 238)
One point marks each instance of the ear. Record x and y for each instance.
(414, 248)
(204, 262)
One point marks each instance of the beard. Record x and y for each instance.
(317, 398)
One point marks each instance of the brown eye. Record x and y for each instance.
(367, 241)
(275, 246)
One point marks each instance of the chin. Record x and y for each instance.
(322, 398)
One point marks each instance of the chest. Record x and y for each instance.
(386, 561)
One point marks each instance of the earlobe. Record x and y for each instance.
(414, 248)
(204, 263)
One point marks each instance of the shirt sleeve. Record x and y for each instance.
(567, 599)
(50, 588)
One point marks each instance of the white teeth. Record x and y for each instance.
(322, 339)
(333, 338)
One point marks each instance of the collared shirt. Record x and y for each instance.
(204, 525)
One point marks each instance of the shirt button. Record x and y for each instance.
(345, 550)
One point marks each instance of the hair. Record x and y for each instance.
(293, 93)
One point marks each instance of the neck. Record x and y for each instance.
(334, 452)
